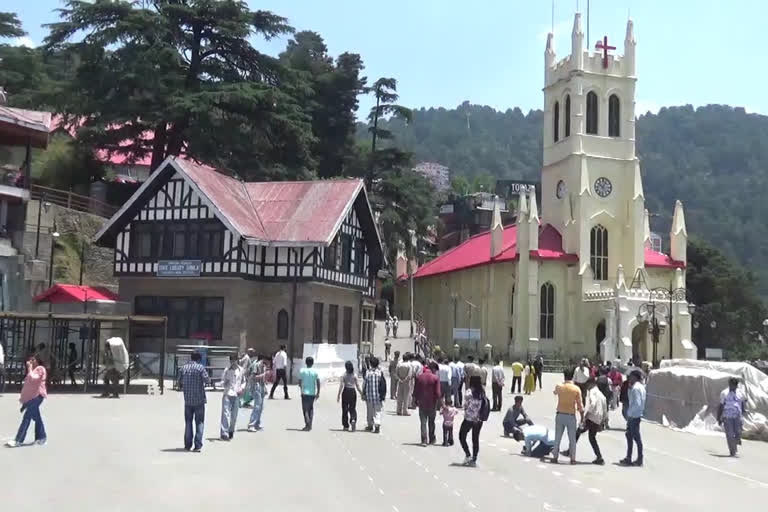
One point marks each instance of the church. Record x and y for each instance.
(575, 276)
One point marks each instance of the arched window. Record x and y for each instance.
(614, 111)
(547, 312)
(592, 113)
(598, 252)
(282, 325)
(556, 122)
(568, 116)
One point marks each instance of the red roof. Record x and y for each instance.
(476, 251)
(72, 293)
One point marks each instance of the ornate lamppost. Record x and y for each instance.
(666, 310)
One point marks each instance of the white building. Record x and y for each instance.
(577, 278)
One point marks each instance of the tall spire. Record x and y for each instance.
(629, 48)
(577, 43)
(678, 235)
(497, 231)
(678, 220)
(549, 53)
(533, 221)
(646, 229)
(522, 207)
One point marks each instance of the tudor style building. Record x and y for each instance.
(248, 264)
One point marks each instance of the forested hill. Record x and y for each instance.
(714, 158)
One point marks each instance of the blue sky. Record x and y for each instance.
(443, 52)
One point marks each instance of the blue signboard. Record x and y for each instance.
(178, 268)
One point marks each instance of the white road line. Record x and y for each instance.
(503, 450)
(370, 478)
(505, 479)
(527, 460)
(640, 510)
(594, 491)
(395, 509)
(436, 477)
(354, 459)
(492, 445)
(381, 491)
(491, 473)
(471, 505)
(445, 484)
(574, 481)
(531, 495)
(362, 468)
(541, 466)
(426, 469)
(617, 500)
(518, 488)
(457, 493)
(416, 462)
(557, 473)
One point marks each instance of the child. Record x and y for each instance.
(448, 414)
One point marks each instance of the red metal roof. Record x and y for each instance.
(477, 250)
(282, 211)
(72, 293)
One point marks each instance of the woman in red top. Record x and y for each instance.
(32, 395)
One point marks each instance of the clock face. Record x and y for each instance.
(603, 187)
(561, 189)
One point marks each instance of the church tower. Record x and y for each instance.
(592, 190)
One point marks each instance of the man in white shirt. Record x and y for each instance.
(581, 376)
(497, 384)
(444, 372)
(595, 411)
(233, 384)
(280, 363)
(417, 367)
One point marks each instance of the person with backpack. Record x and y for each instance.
(374, 392)
(477, 408)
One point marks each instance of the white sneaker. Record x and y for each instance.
(467, 461)
(12, 443)
(41, 442)
(251, 429)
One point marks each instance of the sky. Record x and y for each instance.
(491, 52)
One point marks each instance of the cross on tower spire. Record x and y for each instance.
(603, 45)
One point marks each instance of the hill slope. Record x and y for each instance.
(713, 158)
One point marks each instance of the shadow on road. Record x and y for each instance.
(174, 450)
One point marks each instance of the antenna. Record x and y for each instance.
(553, 17)
(589, 41)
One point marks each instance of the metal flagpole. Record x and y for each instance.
(589, 41)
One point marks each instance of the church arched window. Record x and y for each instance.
(282, 325)
(547, 311)
(592, 113)
(567, 131)
(598, 252)
(614, 111)
(556, 122)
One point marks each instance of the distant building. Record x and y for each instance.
(469, 215)
(439, 175)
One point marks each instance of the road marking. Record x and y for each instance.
(395, 509)
(593, 490)
(362, 468)
(527, 460)
(617, 500)
(531, 495)
(426, 469)
(557, 473)
(471, 505)
(370, 478)
(505, 479)
(518, 488)
(574, 481)
(354, 459)
(436, 477)
(640, 510)
(445, 484)
(503, 450)
(416, 462)
(381, 492)
(457, 493)
(492, 445)
(541, 466)
(491, 473)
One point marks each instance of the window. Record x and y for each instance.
(177, 240)
(317, 323)
(329, 255)
(367, 325)
(556, 122)
(592, 113)
(282, 325)
(547, 312)
(512, 303)
(598, 252)
(187, 316)
(347, 332)
(333, 323)
(567, 116)
(614, 117)
(359, 256)
(346, 253)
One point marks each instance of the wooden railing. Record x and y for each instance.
(68, 199)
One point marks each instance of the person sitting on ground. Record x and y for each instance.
(515, 417)
(539, 440)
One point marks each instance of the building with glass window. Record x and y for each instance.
(577, 278)
(248, 264)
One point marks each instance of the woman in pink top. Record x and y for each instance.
(32, 394)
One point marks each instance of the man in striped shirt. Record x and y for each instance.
(374, 392)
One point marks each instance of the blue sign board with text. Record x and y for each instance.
(179, 268)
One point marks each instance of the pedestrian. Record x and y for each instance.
(33, 392)
(258, 390)
(348, 389)
(538, 439)
(616, 378)
(395, 325)
(604, 386)
(476, 410)
(471, 369)
(497, 385)
(375, 392)
(515, 417)
(233, 384)
(279, 365)
(417, 366)
(427, 393)
(404, 373)
(517, 376)
(111, 374)
(635, 410)
(309, 385)
(387, 327)
(393, 375)
(595, 410)
(538, 366)
(568, 402)
(730, 412)
(448, 413)
(445, 373)
(245, 364)
(2, 368)
(529, 381)
(457, 381)
(387, 349)
(71, 363)
(483, 372)
(580, 376)
(193, 378)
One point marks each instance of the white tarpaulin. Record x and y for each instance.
(685, 394)
(119, 353)
(329, 358)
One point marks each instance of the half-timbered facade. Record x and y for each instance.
(231, 260)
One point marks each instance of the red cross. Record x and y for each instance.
(603, 45)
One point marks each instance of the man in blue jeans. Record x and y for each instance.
(193, 378)
(258, 373)
(635, 410)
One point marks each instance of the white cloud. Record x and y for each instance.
(23, 41)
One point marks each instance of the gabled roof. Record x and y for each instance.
(476, 251)
(72, 293)
(268, 213)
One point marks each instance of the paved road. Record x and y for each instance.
(123, 455)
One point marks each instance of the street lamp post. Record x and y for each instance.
(655, 329)
(42, 205)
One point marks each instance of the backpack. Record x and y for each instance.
(382, 387)
(485, 408)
